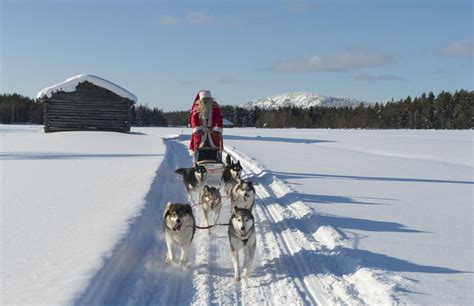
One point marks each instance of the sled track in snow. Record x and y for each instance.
(291, 265)
(135, 272)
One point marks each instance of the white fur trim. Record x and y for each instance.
(205, 94)
(217, 129)
(198, 128)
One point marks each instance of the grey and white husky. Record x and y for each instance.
(178, 225)
(242, 195)
(211, 204)
(231, 173)
(193, 179)
(242, 236)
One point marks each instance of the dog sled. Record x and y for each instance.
(210, 156)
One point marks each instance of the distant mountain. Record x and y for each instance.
(302, 100)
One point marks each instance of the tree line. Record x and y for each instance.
(444, 111)
(18, 109)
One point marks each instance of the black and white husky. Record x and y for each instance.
(178, 225)
(242, 195)
(242, 236)
(211, 204)
(193, 179)
(231, 173)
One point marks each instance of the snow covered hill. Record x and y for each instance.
(302, 100)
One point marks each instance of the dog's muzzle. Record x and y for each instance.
(177, 226)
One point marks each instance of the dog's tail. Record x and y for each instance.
(228, 160)
(180, 171)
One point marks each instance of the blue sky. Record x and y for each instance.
(165, 51)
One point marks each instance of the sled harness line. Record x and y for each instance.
(204, 202)
(209, 226)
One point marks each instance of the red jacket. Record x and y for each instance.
(213, 126)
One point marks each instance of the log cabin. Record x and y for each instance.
(86, 103)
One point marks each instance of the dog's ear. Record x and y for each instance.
(228, 159)
(206, 188)
(235, 209)
(195, 165)
(238, 162)
(188, 209)
(167, 207)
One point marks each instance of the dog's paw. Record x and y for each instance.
(237, 278)
(168, 260)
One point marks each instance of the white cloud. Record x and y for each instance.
(350, 59)
(199, 18)
(378, 77)
(168, 20)
(459, 49)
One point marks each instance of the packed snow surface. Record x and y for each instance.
(301, 100)
(342, 217)
(70, 85)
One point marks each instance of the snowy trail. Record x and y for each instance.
(298, 260)
(129, 275)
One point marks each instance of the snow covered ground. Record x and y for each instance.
(402, 199)
(343, 217)
(66, 199)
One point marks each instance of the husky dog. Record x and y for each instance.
(193, 179)
(242, 195)
(242, 236)
(231, 173)
(211, 202)
(178, 225)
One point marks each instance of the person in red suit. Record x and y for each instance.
(206, 121)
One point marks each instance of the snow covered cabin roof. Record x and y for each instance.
(70, 85)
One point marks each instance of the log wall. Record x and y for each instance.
(89, 108)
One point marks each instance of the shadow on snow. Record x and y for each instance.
(275, 139)
(53, 155)
(289, 175)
